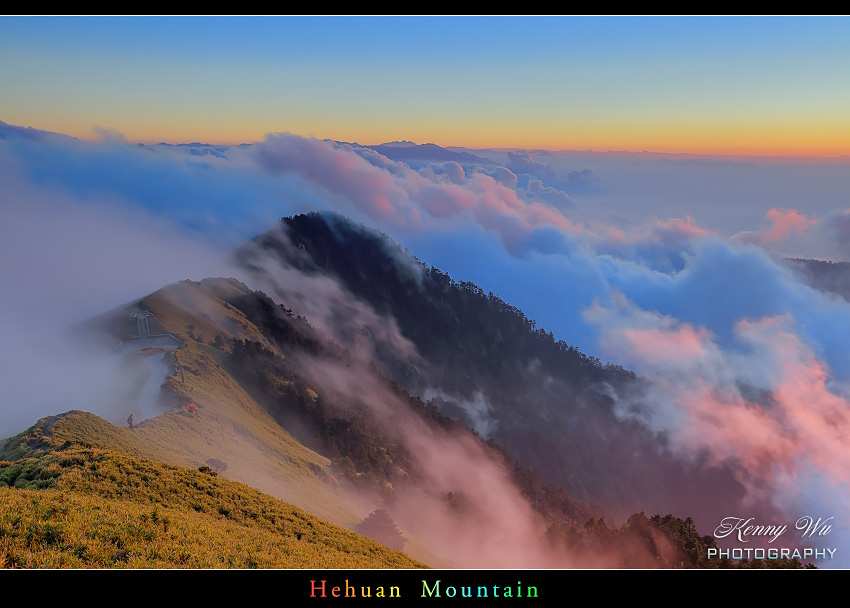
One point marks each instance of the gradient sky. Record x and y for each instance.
(750, 85)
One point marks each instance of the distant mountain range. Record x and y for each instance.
(410, 151)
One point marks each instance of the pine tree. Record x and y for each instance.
(380, 526)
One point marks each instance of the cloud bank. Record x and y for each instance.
(744, 361)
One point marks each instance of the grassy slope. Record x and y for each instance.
(98, 508)
(228, 425)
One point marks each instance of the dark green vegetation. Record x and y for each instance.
(481, 340)
(552, 403)
(341, 426)
(380, 526)
(366, 455)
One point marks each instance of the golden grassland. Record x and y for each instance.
(93, 508)
(228, 425)
(90, 492)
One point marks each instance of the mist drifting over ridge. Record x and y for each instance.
(699, 302)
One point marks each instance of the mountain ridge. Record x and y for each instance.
(552, 406)
(331, 417)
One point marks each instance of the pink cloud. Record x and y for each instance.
(671, 233)
(677, 229)
(395, 194)
(669, 346)
(785, 224)
(768, 410)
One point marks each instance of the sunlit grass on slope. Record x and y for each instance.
(102, 509)
(228, 425)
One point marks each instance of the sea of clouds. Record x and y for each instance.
(671, 265)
